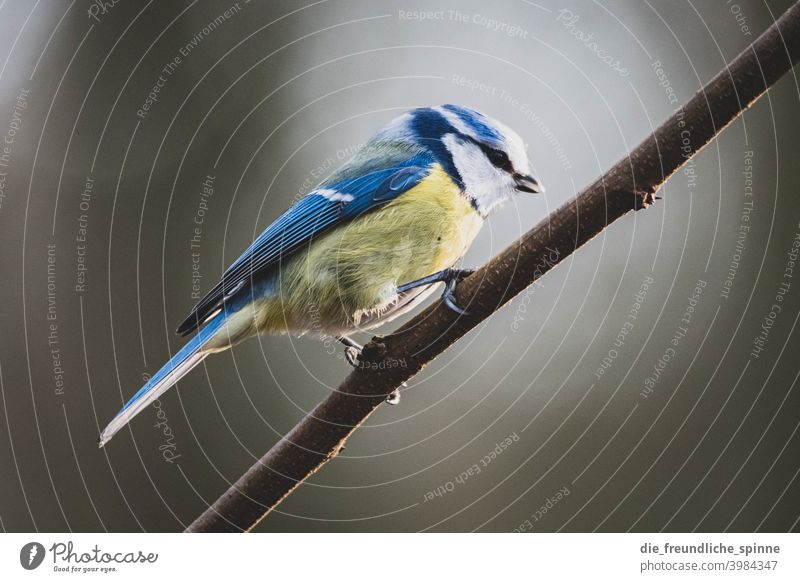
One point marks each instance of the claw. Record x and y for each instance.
(449, 297)
(351, 354)
(352, 351)
(451, 278)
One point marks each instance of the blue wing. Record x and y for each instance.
(314, 214)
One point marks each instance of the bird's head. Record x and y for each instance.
(486, 157)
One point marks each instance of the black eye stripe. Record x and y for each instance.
(498, 158)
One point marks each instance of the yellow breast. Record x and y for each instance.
(355, 268)
(437, 208)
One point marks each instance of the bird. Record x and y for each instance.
(367, 245)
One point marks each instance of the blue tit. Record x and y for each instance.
(364, 247)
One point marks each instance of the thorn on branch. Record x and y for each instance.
(335, 451)
(644, 199)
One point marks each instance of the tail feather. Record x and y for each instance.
(176, 368)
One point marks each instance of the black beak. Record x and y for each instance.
(525, 183)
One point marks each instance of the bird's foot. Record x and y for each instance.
(450, 277)
(449, 295)
(351, 354)
(352, 350)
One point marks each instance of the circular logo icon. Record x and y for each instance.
(31, 555)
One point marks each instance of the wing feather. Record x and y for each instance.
(329, 205)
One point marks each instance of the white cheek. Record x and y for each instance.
(515, 148)
(486, 184)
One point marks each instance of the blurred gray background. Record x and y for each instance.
(678, 430)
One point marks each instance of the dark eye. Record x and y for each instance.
(499, 159)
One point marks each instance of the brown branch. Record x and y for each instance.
(629, 185)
